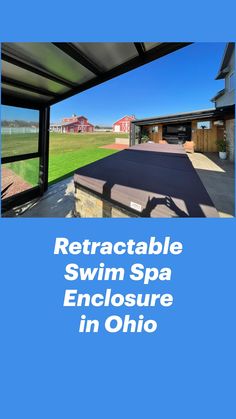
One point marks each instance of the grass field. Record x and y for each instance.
(67, 152)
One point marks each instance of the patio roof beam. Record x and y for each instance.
(19, 62)
(140, 48)
(27, 87)
(69, 49)
(151, 55)
(8, 100)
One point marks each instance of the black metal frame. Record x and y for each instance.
(141, 59)
(19, 62)
(69, 49)
(42, 154)
(44, 127)
(100, 75)
(19, 199)
(21, 103)
(19, 157)
(50, 98)
(140, 47)
(27, 87)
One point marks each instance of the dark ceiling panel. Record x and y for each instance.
(12, 91)
(158, 51)
(46, 56)
(108, 55)
(46, 73)
(150, 45)
(21, 75)
(77, 55)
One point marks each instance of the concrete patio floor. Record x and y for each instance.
(218, 178)
(57, 202)
(216, 175)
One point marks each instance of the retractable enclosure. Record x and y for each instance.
(37, 75)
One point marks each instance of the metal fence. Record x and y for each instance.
(19, 130)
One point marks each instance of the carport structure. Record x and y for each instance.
(38, 75)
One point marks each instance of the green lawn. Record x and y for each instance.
(15, 144)
(67, 153)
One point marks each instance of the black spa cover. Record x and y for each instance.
(154, 180)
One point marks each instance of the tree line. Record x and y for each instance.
(18, 123)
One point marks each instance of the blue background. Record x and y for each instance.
(186, 369)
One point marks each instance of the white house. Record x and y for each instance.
(226, 96)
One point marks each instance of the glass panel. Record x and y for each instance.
(108, 55)
(19, 93)
(137, 134)
(150, 45)
(48, 57)
(19, 176)
(25, 76)
(19, 130)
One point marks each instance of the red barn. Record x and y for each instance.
(76, 124)
(123, 124)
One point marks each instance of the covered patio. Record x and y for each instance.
(35, 76)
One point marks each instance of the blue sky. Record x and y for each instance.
(179, 82)
(12, 113)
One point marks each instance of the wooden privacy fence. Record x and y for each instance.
(205, 140)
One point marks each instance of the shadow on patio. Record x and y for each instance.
(57, 202)
(216, 175)
(218, 178)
